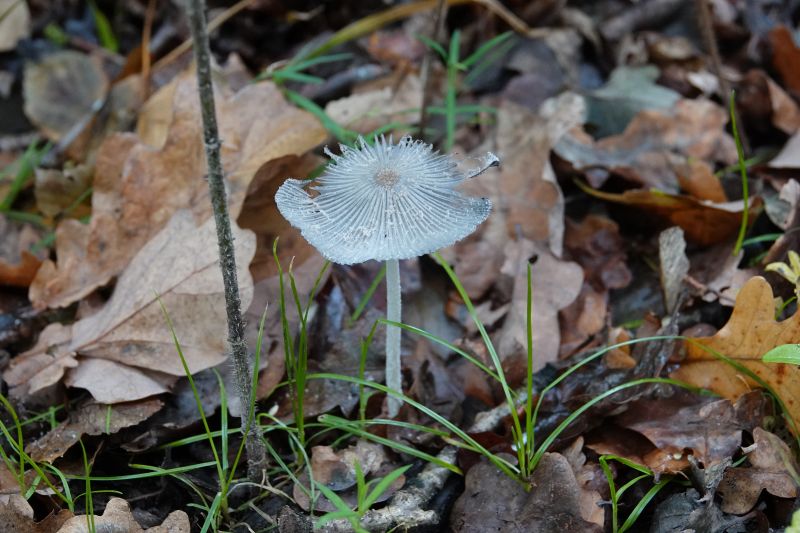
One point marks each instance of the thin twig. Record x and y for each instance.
(256, 453)
(706, 24)
(425, 71)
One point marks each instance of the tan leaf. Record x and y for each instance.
(117, 517)
(750, 332)
(15, 23)
(525, 196)
(180, 265)
(138, 187)
(90, 419)
(653, 145)
(555, 284)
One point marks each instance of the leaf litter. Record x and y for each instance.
(619, 189)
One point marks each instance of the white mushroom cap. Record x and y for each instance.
(387, 201)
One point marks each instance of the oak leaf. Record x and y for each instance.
(124, 351)
(141, 180)
(750, 332)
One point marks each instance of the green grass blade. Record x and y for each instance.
(743, 172)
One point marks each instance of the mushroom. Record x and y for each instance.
(385, 202)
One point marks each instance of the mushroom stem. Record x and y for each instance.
(393, 311)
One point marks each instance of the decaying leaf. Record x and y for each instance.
(57, 190)
(628, 91)
(337, 471)
(18, 264)
(492, 501)
(653, 145)
(368, 110)
(138, 187)
(555, 284)
(127, 345)
(90, 419)
(62, 90)
(526, 198)
(772, 467)
(750, 332)
(118, 518)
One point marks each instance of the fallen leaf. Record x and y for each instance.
(697, 179)
(789, 156)
(653, 145)
(704, 223)
(674, 265)
(492, 501)
(750, 332)
(14, 517)
(90, 419)
(628, 91)
(785, 55)
(138, 187)
(375, 107)
(62, 90)
(555, 284)
(337, 471)
(595, 243)
(771, 464)
(525, 195)
(126, 347)
(18, 264)
(708, 428)
(117, 517)
(15, 23)
(56, 190)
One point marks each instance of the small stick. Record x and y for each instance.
(256, 453)
(710, 40)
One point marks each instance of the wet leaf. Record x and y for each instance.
(772, 467)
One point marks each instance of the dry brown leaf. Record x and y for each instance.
(653, 145)
(18, 265)
(337, 471)
(129, 337)
(138, 187)
(368, 110)
(117, 517)
(555, 284)
(525, 196)
(90, 419)
(750, 332)
(15, 23)
(492, 501)
(697, 179)
(785, 55)
(705, 223)
(14, 517)
(771, 464)
(56, 190)
(62, 89)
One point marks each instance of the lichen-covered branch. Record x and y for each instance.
(256, 453)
